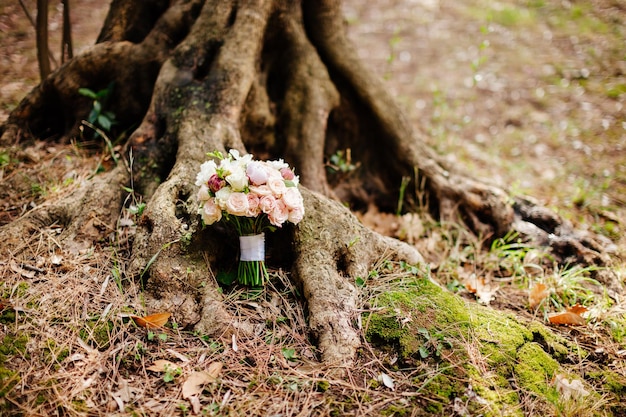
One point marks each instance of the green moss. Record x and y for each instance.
(610, 380)
(496, 390)
(554, 344)
(97, 333)
(386, 330)
(322, 386)
(8, 379)
(501, 335)
(535, 369)
(12, 345)
(52, 354)
(8, 316)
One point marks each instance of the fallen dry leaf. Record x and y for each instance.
(484, 291)
(386, 380)
(152, 321)
(577, 309)
(570, 316)
(539, 293)
(161, 365)
(195, 383)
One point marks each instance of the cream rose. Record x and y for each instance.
(260, 190)
(296, 215)
(203, 193)
(277, 185)
(211, 213)
(292, 198)
(267, 204)
(237, 204)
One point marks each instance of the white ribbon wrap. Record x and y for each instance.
(252, 248)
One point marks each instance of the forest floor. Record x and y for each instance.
(527, 94)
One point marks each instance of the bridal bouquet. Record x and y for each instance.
(253, 197)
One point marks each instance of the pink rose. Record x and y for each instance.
(257, 173)
(237, 204)
(211, 213)
(287, 174)
(267, 204)
(296, 215)
(279, 215)
(253, 205)
(292, 198)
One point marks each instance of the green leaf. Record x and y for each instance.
(289, 354)
(104, 122)
(360, 282)
(423, 351)
(93, 115)
(87, 93)
(215, 154)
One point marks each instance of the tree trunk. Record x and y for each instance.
(272, 78)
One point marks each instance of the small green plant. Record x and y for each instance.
(289, 354)
(435, 343)
(170, 373)
(341, 162)
(405, 182)
(5, 159)
(572, 285)
(99, 115)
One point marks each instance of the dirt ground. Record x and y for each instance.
(529, 95)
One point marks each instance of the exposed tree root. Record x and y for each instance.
(281, 81)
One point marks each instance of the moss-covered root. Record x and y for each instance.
(512, 367)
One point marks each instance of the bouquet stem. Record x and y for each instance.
(251, 270)
(252, 273)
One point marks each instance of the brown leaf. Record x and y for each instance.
(161, 365)
(483, 290)
(214, 369)
(577, 309)
(152, 321)
(195, 383)
(567, 318)
(539, 292)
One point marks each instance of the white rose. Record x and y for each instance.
(278, 165)
(237, 204)
(237, 179)
(221, 197)
(207, 169)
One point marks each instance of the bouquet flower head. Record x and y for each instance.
(253, 197)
